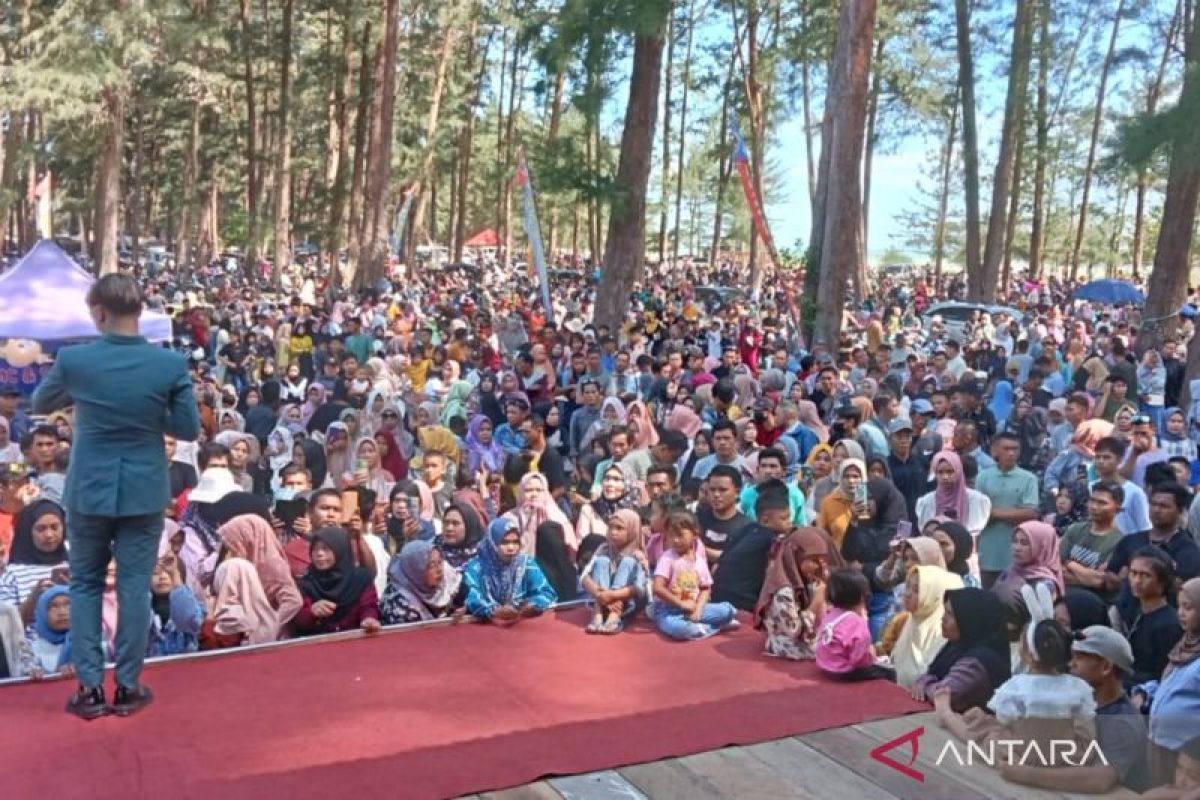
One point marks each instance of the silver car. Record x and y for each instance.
(954, 316)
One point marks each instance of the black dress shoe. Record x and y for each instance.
(130, 701)
(88, 702)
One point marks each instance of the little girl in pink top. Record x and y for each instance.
(844, 648)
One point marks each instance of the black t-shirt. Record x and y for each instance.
(743, 567)
(1182, 549)
(1152, 636)
(718, 533)
(236, 354)
(1121, 732)
(551, 466)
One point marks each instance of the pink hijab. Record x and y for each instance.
(242, 605)
(810, 418)
(647, 436)
(529, 516)
(250, 535)
(954, 497)
(1046, 564)
(683, 419)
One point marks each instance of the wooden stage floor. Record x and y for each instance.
(832, 764)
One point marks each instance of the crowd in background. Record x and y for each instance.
(997, 512)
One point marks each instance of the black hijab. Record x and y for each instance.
(552, 557)
(457, 555)
(1085, 609)
(343, 583)
(964, 545)
(24, 551)
(314, 461)
(982, 635)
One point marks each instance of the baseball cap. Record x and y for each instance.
(1102, 641)
(7, 389)
(921, 406)
(900, 424)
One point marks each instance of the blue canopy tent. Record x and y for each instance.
(44, 299)
(1110, 292)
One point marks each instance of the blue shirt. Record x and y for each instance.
(749, 499)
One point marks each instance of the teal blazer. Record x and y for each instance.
(127, 394)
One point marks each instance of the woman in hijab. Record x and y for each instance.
(280, 447)
(505, 584)
(243, 458)
(456, 400)
(489, 400)
(391, 455)
(462, 529)
(957, 546)
(1173, 713)
(952, 498)
(405, 517)
(1001, 404)
(314, 461)
(314, 398)
(612, 413)
(536, 505)
(921, 638)
(38, 549)
(249, 536)
(974, 662)
(1174, 437)
(1031, 426)
(1080, 609)
(683, 419)
(368, 469)
(338, 596)
(637, 417)
(484, 454)
(618, 489)
(50, 641)
(844, 449)
(841, 506)
(421, 586)
(1035, 558)
(810, 418)
(337, 453)
(792, 600)
(556, 562)
(616, 576)
(241, 612)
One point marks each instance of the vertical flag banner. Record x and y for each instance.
(741, 158)
(533, 232)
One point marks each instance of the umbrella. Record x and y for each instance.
(1110, 292)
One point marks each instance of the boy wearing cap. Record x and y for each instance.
(1099, 658)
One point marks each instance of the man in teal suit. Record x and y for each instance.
(127, 394)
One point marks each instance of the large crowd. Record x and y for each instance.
(996, 512)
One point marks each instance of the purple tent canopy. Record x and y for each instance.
(44, 298)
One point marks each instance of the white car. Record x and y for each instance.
(955, 316)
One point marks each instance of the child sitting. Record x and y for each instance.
(844, 648)
(792, 601)
(49, 636)
(504, 584)
(616, 576)
(177, 614)
(683, 584)
(1045, 704)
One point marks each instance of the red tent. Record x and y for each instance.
(485, 238)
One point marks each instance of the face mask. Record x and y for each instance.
(285, 494)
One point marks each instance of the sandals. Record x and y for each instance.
(614, 626)
(595, 626)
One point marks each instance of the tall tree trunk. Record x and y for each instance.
(107, 215)
(1010, 224)
(625, 249)
(816, 239)
(724, 169)
(1143, 178)
(1037, 233)
(516, 96)
(466, 143)
(981, 285)
(1172, 264)
(253, 173)
(869, 157)
(683, 116)
(1097, 118)
(966, 91)
(556, 109)
(939, 237)
(373, 268)
(283, 157)
(137, 187)
(842, 247)
(418, 231)
(806, 103)
(335, 224)
(188, 198)
(666, 141)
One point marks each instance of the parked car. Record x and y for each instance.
(956, 315)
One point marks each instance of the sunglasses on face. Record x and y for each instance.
(390, 415)
(1141, 419)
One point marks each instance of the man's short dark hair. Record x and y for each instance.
(771, 452)
(1113, 446)
(1181, 496)
(724, 425)
(1007, 436)
(210, 451)
(292, 468)
(675, 441)
(727, 471)
(1112, 489)
(618, 430)
(117, 294)
(319, 493)
(724, 391)
(662, 469)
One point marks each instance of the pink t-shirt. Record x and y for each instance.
(844, 642)
(686, 576)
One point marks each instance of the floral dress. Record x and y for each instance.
(791, 630)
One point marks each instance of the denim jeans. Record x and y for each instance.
(629, 575)
(879, 610)
(674, 623)
(133, 541)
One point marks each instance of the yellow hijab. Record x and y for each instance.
(922, 638)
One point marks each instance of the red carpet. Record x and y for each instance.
(431, 713)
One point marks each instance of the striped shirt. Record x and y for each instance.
(18, 580)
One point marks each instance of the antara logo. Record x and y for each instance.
(1058, 753)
